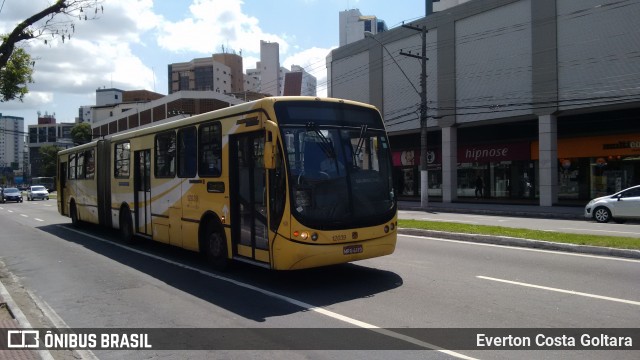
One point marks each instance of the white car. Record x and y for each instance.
(620, 206)
(37, 192)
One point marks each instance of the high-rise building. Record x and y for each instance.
(203, 74)
(299, 82)
(269, 68)
(11, 145)
(46, 132)
(353, 26)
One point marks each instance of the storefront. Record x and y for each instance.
(590, 167)
(504, 170)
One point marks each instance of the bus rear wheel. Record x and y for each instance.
(215, 248)
(126, 227)
(73, 214)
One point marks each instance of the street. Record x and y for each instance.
(86, 278)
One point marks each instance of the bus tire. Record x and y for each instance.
(73, 214)
(126, 227)
(215, 248)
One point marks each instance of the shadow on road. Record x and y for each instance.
(318, 287)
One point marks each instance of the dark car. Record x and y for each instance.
(11, 194)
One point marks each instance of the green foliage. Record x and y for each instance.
(81, 133)
(578, 239)
(49, 156)
(15, 76)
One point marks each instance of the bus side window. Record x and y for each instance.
(187, 152)
(210, 150)
(165, 155)
(122, 160)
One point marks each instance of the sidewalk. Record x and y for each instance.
(489, 208)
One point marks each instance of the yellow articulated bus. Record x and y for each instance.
(283, 182)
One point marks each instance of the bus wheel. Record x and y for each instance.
(126, 227)
(73, 214)
(215, 248)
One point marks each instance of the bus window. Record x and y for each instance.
(89, 162)
(80, 166)
(187, 152)
(210, 152)
(122, 160)
(72, 166)
(165, 159)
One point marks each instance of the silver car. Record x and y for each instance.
(37, 192)
(620, 206)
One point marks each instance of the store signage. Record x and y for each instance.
(467, 154)
(622, 145)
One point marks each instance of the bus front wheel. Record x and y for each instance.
(215, 248)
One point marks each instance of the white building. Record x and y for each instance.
(539, 98)
(267, 70)
(11, 142)
(353, 26)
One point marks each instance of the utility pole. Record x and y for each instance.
(424, 179)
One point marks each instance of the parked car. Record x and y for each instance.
(11, 194)
(620, 206)
(37, 192)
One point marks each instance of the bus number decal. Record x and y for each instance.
(339, 237)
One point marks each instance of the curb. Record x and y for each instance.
(518, 242)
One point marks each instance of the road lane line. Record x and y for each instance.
(518, 248)
(449, 220)
(24, 215)
(38, 219)
(571, 292)
(304, 305)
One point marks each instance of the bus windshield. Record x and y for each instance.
(339, 165)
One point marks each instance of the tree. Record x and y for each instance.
(49, 158)
(81, 133)
(56, 21)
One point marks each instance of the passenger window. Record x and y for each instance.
(187, 152)
(210, 150)
(165, 155)
(122, 160)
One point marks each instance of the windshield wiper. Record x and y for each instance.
(325, 144)
(361, 140)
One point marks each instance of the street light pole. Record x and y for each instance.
(424, 178)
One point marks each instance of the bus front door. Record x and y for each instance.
(249, 198)
(142, 193)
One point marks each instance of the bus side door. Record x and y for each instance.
(142, 191)
(249, 197)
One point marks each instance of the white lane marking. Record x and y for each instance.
(631, 302)
(306, 306)
(604, 231)
(518, 248)
(24, 215)
(10, 211)
(59, 323)
(449, 220)
(38, 219)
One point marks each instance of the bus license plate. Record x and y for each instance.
(351, 249)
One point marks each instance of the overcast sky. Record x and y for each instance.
(133, 41)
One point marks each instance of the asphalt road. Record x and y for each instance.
(86, 278)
